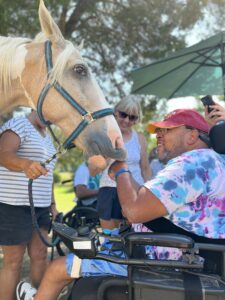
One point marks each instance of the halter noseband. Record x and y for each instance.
(87, 117)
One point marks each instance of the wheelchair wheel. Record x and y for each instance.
(75, 219)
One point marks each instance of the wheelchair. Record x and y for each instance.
(186, 279)
(83, 217)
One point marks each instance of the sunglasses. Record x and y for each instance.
(124, 115)
(162, 131)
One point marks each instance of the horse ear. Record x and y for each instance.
(80, 47)
(48, 25)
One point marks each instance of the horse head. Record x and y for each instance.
(54, 78)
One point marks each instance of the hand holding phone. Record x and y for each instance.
(207, 101)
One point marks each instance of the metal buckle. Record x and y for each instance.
(60, 151)
(88, 117)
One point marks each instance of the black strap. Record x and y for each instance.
(34, 218)
(192, 287)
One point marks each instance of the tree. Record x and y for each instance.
(119, 34)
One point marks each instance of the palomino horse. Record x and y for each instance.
(49, 75)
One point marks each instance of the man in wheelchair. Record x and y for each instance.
(189, 192)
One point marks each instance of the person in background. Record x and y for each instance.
(24, 144)
(86, 186)
(216, 115)
(127, 113)
(154, 163)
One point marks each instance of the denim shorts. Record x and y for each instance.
(77, 267)
(16, 223)
(108, 205)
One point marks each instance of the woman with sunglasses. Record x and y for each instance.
(128, 113)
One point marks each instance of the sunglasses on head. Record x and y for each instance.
(124, 115)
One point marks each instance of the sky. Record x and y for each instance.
(184, 102)
(187, 102)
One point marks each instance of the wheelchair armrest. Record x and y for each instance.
(210, 247)
(159, 239)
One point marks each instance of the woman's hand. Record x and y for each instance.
(216, 115)
(9, 145)
(34, 169)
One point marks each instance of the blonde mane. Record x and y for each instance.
(8, 48)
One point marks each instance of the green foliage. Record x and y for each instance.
(56, 177)
(64, 193)
(18, 17)
(70, 160)
(64, 196)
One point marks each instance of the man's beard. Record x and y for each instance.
(165, 157)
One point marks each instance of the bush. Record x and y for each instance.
(56, 177)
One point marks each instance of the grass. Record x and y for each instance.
(64, 194)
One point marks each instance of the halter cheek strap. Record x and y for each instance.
(87, 117)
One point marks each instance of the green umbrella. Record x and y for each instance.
(193, 71)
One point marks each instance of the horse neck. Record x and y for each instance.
(13, 99)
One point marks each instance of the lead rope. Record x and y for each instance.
(52, 244)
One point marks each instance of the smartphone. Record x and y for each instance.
(207, 100)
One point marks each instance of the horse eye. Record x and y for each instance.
(81, 70)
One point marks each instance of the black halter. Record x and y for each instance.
(87, 117)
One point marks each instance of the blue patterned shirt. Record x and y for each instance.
(192, 188)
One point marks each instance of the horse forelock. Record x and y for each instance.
(40, 37)
(8, 50)
(62, 61)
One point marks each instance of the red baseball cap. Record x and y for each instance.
(180, 117)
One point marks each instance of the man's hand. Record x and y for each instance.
(115, 167)
(96, 164)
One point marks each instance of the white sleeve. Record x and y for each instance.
(17, 125)
(82, 175)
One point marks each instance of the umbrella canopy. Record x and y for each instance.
(193, 71)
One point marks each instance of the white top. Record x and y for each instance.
(81, 175)
(14, 185)
(133, 148)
